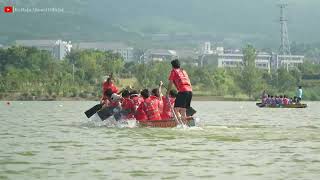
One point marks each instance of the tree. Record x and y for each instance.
(249, 76)
(149, 74)
(249, 57)
(285, 81)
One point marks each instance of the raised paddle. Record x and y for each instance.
(93, 110)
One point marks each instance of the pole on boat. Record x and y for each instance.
(176, 118)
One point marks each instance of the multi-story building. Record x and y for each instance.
(229, 60)
(206, 49)
(61, 49)
(160, 55)
(125, 51)
(233, 57)
(233, 60)
(263, 61)
(58, 48)
(287, 61)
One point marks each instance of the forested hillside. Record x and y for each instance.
(233, 21)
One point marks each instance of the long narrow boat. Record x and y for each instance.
(166, 123)
(260, 105)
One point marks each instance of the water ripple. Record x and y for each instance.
(54, 140)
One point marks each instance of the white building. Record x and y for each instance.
(233, 60)
(160, 55)
(61, 49)
(229, 60)
(288, 61)
(219, 50)
(263, 61)
(207, 48)
(58, 48)
(125, 51)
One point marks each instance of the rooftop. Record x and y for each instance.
(36, 42)
(162, 52)
(101, 45)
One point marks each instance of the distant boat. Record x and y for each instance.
(260, 105)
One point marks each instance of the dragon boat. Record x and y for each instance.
(297, 105)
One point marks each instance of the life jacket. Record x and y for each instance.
(140, 114)
(137, 100)
(111, 86)
(285, 101)
(128, 107)
(264, 100)
(110, 103)
(278, 101)
(182, 81)
(166, 111)
(151, 108)
(160, 102)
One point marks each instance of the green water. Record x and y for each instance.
(54, 140)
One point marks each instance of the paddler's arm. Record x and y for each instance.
(170, 84)
(160, 89)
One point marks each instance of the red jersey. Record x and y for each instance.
(111, 86)
(180, 79)
(140, 115)
(285, 101)
(129, 107)
(159, 102)
(151, 108)
(166, 112)
(109, 103)
(137, 100)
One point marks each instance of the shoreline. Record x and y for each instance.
(11, 97)
(54, 98)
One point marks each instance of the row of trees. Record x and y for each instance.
(37, 73)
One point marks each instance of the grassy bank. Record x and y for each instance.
(311, 93)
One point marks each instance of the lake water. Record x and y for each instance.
(54, 140)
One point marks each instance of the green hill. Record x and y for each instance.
(231, 21)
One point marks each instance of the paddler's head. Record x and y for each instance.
(175, 64)
(145, 93)
(155, 92)
(173, 93)
(125, 93)
(109, 80)
(108, 93)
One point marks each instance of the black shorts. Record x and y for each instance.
(183, 99)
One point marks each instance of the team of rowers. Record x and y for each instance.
(281, 100)
(151, 105)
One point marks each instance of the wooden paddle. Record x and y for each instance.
(93, 110)
(96, 108)
(176, 118)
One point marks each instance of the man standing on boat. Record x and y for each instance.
(299, 94)
(180, 79)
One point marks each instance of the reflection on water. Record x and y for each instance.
(54, 140)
